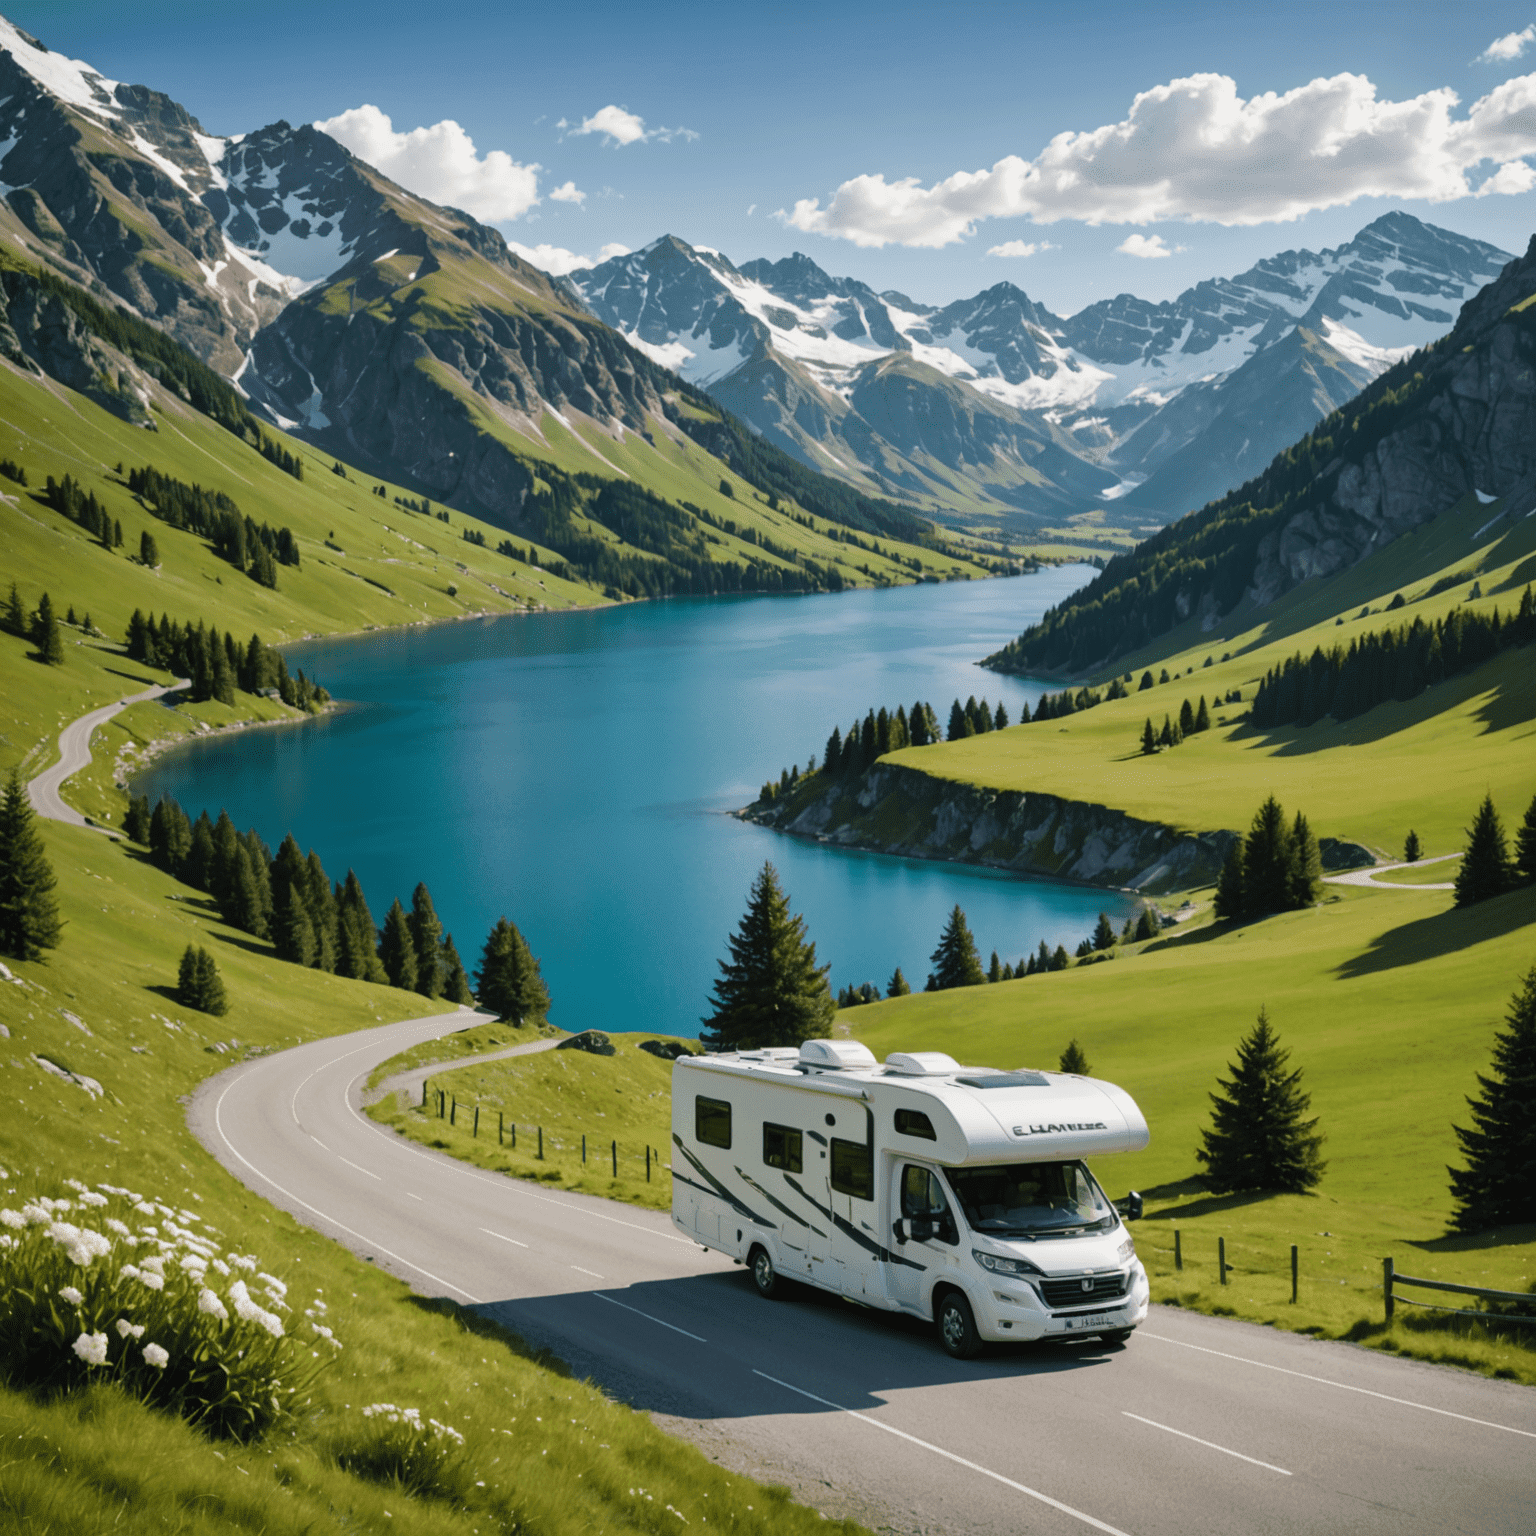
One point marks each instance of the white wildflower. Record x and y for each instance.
(144, 1207)
(153, 1263)
(150, 1231)
(152, 1280)
(273, 1283)
(155, 1356)
(12, 1218)
(194, 1263)
(208, 1302)
(71, 1295)
(118, 1228)
(246, 1261)
(446, 1432)
(221, 1266)
(36, 1213)
(90, 1197)
(76, 1184)
(92, 1348)
(127, 1330)
(322, 1330)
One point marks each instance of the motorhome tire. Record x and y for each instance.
(764, 1276)
(957, 1327)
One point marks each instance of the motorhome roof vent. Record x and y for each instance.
(921, 1064)
(837, 1055)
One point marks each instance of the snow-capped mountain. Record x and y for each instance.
(1105, 383)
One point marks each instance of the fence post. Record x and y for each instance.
(647, 1162)
(423, 1093)
(453, 1114)
(514, 1135)
(615, 1159)
(583, 1149)
(541, 1143)
(1221, 1258)
(1386, 1286)
(1293, 1274)
(442, 1104)
(500, 1126)
(1178, 1250)
(477, 1119)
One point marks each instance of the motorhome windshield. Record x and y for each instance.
(1031, 1199)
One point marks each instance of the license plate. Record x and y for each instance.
(1088, 1324)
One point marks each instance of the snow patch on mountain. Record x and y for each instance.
(1354, 346)
(71, 80)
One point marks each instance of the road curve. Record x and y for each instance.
(1368, 876)
(1197, 1424)
(75, 753)
(411, 1080)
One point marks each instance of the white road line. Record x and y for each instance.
(503, 1236)
(410, 1196)
(580, 1271)
(1343, 1386)
(1210, 1445)
(350, 1164)
(647, 1316)
(939, 1450)
(218, 1121)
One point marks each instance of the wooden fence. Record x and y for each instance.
(1391, 1280)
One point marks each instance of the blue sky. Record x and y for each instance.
(783, 105)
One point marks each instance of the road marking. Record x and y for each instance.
(218, 1121)
(580, 1271)
(647, 1316)
(1210, 1445)
(411, 1196)
(939, 1450)
(350, 1164)
(1343, 1386)
(503, 1237)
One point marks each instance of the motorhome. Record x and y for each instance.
(957, 1194)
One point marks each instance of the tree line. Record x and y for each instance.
(1488, 868)
(1276, 868)
(1190, 722)
(256, 550)
(1386, 664)
(216, 665)
(40, 626)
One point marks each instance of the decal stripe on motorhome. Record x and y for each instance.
(716, 1187)
(779, 1205)
(885, 1255)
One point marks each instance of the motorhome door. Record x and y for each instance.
(851, 1199)
(917, 1196)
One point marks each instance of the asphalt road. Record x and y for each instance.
(1368, 876)
(1198, 1424)
(75, 753)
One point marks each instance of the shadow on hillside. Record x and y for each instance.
(1208, 1204)
(1442, 934)
(132, 677)
(1478, 1242)
(1202, 935)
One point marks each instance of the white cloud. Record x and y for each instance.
(620, 126)
(439, 163)
(1021, 248)
(567, 194)
(1510, 46)
(1146, 246)
(1194, 149)
(558, 261)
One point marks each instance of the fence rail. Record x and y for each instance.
(1390, 1280)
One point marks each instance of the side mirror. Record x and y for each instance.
(899, 1230)
(922, 1229)
(1130, 1207)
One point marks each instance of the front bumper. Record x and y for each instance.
(1013, 1309)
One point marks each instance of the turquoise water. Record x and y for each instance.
(574, 771)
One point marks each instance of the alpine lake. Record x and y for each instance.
(577, 771)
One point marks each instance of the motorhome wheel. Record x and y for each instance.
(1116, 1339)
(764, 1276)
(957, 1327)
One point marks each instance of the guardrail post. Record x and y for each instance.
(477, 1120)
(541, 1143)
(1221, 1258)
(647, 1162)
(1178, 1251)
(615, 1159)
(1386, 1286)
(1293, 1274)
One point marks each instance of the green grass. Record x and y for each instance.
(624, 1098)
(1388, 1004)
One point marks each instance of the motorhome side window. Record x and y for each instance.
(712, 1121)
(782, 1148)
(913, 1122)
(853, 1171)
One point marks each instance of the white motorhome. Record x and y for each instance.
(956, 1194)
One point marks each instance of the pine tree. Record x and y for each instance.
(136, 819)
(1060, 959)
(1147, 681)
(455, 982)
(198, 983)
(1269, 858)
(509, 981)
(1147, 925)
(1084, 949)
(1231, 903)
(898, 985)
(1148, 739)
(1412, 851)
(1259, 1138)
(356, 954)
(770, 991)
(1202, 716)
(15, 613)
(1497, 1188)
(1186, 718)
(1043, 957)
(1165, 736)
(1525, 845)
(959, 726)
(45, 633)
(1305, 884)
(995, 969)
(1103, 933)
(956, 962)
(426, 937)
(29, 914)
(149, 551)
(1485, 868)
(397, 954)
(170, 836)
(1000, 718)
(1073, 1060)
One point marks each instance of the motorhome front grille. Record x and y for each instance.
(1082, 1290)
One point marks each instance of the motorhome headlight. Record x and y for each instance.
(1126, 1251)
(999, 1265)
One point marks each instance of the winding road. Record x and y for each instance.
(1198, 1424)
(1368, 876)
